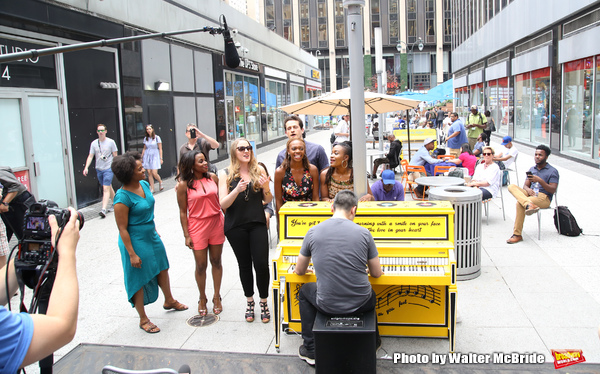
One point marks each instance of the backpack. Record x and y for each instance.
(565, 223)
(332, 137)
(505, 178)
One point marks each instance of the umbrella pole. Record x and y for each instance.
(408, 131)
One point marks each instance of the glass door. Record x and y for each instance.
(48, 172)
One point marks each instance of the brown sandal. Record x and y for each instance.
(217, 309)
(149, 327)
(176, 305)
(202, 312)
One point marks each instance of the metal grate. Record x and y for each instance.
(197, 321)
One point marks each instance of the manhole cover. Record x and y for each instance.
(207, 320)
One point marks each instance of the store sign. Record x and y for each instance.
(33, 72)
(315, 74)
(248, 64)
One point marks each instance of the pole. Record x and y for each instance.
(357, 94)
(412, 64)
(379, 67)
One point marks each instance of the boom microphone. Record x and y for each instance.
(232, 59)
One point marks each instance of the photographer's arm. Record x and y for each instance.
(57, 328)
(7, 199)
(12, 282)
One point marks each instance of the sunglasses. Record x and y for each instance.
(487, 154)
(242, 149)
(101, 130)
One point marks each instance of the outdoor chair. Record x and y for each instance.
(514, 170)
(539, 214)
(412, 184)
(486, 207)
(445, 157)
(438, 169)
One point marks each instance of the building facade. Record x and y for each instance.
(536, 66)
(320, 27)
(52, 104)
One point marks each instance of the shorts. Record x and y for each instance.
(105, 177)
(206, 231)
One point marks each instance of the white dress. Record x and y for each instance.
(151, 160)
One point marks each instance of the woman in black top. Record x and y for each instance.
(243, 187)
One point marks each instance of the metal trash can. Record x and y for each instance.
(466, 202)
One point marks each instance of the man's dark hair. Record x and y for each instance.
(454, 114)
(345, 200)
(123, 166)
(544, 148)
(293, 117)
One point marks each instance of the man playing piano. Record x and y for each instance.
(339, 249)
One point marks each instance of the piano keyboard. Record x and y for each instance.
(413, 270)
(425, 261)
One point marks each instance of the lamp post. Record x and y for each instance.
(419, 43)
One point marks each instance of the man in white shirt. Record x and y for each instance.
(508, 153)
(342, 130)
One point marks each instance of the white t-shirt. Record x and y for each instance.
(342, 127)
(103, 152)
(513, 152)
(491, 174)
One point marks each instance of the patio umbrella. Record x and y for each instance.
(338, 103)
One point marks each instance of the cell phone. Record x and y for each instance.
(192, 133)
(529, 174)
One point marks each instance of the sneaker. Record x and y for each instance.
(111, 209)
(102, 213)
(307, 356)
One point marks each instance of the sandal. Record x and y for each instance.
(217, 309)
(160, 187)
(149, 327)
(175, 305)
(250, 311)
(265, 315)
(202, 312)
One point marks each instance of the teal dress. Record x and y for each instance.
(146, 244)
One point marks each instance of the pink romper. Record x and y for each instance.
(205, 218)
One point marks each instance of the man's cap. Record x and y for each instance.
(428, 140)
(388, 177)
(473, 107)
(506, 140)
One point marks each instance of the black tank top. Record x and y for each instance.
(246, 208)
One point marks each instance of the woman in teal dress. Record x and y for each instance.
(145, 263)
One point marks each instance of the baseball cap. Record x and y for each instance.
(506, 140)
(428, 140)
(473, 107)
(388, 177)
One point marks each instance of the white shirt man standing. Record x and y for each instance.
(342, 130)
(104, 149)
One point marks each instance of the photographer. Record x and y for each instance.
(15, 202)
(24, 338)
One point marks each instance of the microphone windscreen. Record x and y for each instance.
(232, 59)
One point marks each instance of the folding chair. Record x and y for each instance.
(515, 170)
(486, 207)
(404, 179)
(445, 157)
(439, 169)
(413, 184)
(539, 215)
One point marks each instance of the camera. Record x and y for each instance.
(103, 157)
(192, 133)
(35, 247)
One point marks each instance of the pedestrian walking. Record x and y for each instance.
(103, 149)
(152, 157)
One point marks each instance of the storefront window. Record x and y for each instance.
(275, 98)
(522, 106)
(462, 102)
(503, 112)
(540, 127)
(243, 113)
(13, 151)
(477, 94)
(251, 113)
(577, 107)
(595, 154)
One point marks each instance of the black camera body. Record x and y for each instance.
(35, 248)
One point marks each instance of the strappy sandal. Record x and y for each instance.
(265, 315)
(217, 309)
(149, 327)
(202, 312)
(175, 305)
(250, 311)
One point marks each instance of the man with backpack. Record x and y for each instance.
(476, 123)
(537, 192)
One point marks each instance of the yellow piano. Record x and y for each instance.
(416, 296)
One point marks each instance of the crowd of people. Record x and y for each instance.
(235, 204)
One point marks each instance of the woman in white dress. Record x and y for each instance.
(152, 157)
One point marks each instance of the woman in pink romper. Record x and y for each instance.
(202, 222)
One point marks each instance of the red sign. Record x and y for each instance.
(567, 357)
(23, 177)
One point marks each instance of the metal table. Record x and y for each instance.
(440, 181)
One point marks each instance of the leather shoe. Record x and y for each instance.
(515, 239)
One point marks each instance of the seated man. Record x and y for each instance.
(487, 176)
(482, 140)
(24, 338)
(392, 157)
(537, 192)
(508, 152)
(423, 158)
(339, 249)
(388, 188)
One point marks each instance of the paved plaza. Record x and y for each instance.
(531, 297)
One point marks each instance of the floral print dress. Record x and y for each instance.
(294, 192)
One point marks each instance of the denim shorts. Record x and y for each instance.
(105, 177)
